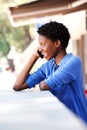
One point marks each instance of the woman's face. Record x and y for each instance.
(48, 48)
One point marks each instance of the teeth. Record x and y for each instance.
(44, 53)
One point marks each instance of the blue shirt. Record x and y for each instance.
(65, 81)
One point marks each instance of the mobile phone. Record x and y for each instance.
(40, 54)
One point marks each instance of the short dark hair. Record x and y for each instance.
(55, 31)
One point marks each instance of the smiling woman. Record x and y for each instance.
(59, 73)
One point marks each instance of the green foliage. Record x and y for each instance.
(15, 37)
(4, 47)
(10, 36)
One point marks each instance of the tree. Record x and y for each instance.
(19, 36)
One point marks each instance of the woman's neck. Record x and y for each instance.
(60, 56)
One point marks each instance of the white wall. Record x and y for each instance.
(75, 22)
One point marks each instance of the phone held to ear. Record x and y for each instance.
(40, 54)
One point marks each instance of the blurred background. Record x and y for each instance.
(19, 20)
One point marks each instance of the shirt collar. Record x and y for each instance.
(65, 58)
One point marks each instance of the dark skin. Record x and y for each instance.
(50, 50)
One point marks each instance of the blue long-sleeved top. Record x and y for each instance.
(65, 81)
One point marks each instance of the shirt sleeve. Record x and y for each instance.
(35, 77)
(66, 74)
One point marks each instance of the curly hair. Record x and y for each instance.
(55, 31)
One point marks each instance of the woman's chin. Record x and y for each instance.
(47, 58)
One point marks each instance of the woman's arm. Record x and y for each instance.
(20, 83)
(43, 86)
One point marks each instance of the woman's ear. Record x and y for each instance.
(57, 43)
